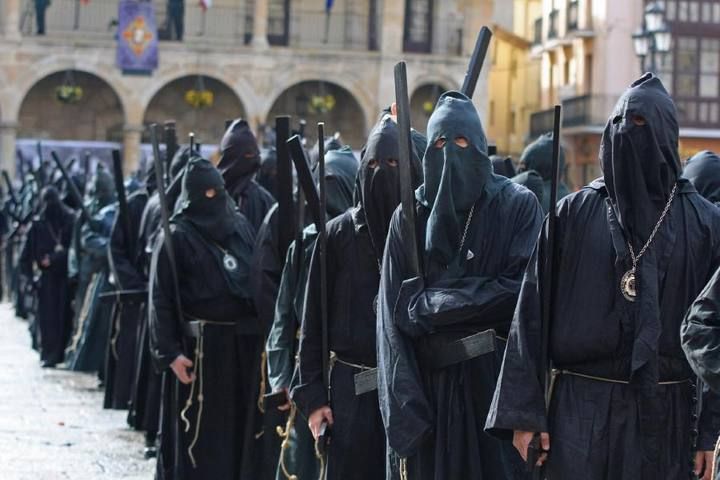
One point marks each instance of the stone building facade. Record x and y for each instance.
(259, 57)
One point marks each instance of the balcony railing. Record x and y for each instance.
(582, 111)
(537, 31)
(349, 30)
(553, 23)
(572, 15)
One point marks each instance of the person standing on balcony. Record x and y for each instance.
(176, 18)
(40, 7)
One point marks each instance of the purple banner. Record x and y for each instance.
(137, 37)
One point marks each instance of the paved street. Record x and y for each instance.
(52, 425)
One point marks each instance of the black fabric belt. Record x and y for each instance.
(439, 357)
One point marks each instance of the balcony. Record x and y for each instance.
(225, 23)
(572, 15)
(553, 24)
(586, 111)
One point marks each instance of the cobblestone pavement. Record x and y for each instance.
(52, 425)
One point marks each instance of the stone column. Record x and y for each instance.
(8, 134)
(132, 135)
(260, 24)
(10, 18)
(392, 27)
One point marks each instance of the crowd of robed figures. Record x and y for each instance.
(430, 376)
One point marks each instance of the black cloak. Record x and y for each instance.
(215, 292)
(599, 426)
(434, 416)
(49, 237)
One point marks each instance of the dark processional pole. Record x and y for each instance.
(546, 292)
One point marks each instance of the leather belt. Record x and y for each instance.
(451, 353)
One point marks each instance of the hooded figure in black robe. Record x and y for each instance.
(45, 251)
(127, 261)
(354, 242)
(207, 416)
(88, 255)
(239, 161)
(476, 231)
(621, 405)
(144, 410)
(703, 171)
(299, 455)
(538, 156)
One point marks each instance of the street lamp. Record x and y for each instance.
(654, 37)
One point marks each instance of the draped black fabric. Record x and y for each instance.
(607, 430)
(351, 283)
(538, 157)
(48, 239)
(531, 180)
(210, 292)
(434, 416)
(503, 166)
(703, 170)
(126, 256)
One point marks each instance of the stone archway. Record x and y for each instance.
(172, 102)
(319, 101)
(72, 105)
(422, 104)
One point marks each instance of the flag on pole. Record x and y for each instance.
(329, 5)
(205, 4)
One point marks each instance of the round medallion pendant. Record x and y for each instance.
(230, 263)
(59, 248)
(627, 286)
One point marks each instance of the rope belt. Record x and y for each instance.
(612, 380)
(334, 358)
(199, 327)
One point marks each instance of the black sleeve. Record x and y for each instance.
(309, 393)
(165, 334)
(121, 255)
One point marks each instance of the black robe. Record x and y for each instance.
(597, 429)
(352, 283)
(435, 417)
(126, 256)
(224, 448)
(54, 315)
(253, 200)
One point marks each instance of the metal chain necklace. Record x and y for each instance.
(627, 283)
(470, 255)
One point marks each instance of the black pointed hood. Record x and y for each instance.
(239, 156)
(639, 156)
